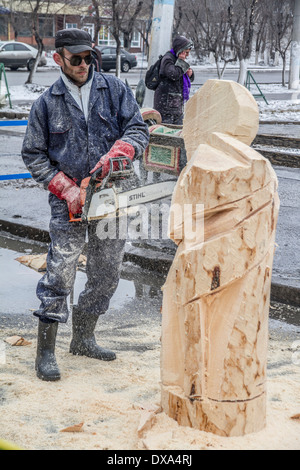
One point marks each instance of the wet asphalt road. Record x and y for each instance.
(47, 75)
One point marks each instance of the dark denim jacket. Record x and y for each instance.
(58, 138)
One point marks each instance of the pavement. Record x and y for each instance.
(25, 213)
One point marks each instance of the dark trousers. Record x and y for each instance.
(104, 262)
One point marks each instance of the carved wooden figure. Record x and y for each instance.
(216, 296)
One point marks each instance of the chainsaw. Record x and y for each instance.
(105, 197)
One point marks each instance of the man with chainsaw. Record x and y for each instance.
(76, 127)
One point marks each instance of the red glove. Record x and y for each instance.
(119, 149)
(65, 188)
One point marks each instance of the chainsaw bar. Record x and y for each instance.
(111, 202)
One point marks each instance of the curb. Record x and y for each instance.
(285, 294)
(150, 259)
(153, 260)
(25, 114)
(14, 114)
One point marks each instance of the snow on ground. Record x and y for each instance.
(279, 110)
(28, 92)
(276, 110)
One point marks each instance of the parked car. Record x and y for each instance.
(109, 59)
(15, 54)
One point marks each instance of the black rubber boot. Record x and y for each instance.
(45, 363)
(83, 341)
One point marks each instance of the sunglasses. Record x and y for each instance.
(77, 59)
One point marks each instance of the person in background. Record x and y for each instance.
(82, 121)
(175, 82)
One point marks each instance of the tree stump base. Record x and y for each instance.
(222, 418)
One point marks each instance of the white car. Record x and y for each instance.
(15, 54)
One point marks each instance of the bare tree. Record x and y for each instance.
(216, 34)
(261, 31)
(281, 20)
(144, 29)
(224, 28)
(193, 16)
(178, 16)
(124, 16)
(231, 29)
(97, 20)
(127, 27)
(241, 17)
(36, 8)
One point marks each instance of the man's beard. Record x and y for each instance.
(75, 77)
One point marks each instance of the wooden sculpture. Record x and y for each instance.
(216, 296)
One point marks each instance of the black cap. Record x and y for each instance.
(74, 40)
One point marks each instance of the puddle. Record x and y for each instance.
(138, 294)
(18, 282)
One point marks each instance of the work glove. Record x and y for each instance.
(119, 149)
(65, 188)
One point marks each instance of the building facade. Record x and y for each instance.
(16, 24)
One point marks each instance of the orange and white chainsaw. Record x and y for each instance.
(102, 197)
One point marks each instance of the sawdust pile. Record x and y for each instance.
(115, 405)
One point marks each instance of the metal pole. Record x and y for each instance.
(2, 73)
(161, 36)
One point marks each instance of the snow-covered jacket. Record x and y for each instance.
(58, 137)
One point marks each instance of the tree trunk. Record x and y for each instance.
(243, 71)
(217, 66)
(216, 296)
(283, 70)
(97, 20)
(118, 65)
(33, 70)
(39, 42)
(295, 49)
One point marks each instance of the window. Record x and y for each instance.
(8, 47)
(105, 38)
(71, 25)
(103, 35)
(106, 50)
(20, 47)
(136, 39)
(3, 26)
(23, 25)
(89, 28)
(46, 26)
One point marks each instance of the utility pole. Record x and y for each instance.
(295, 49)
(161, 36)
